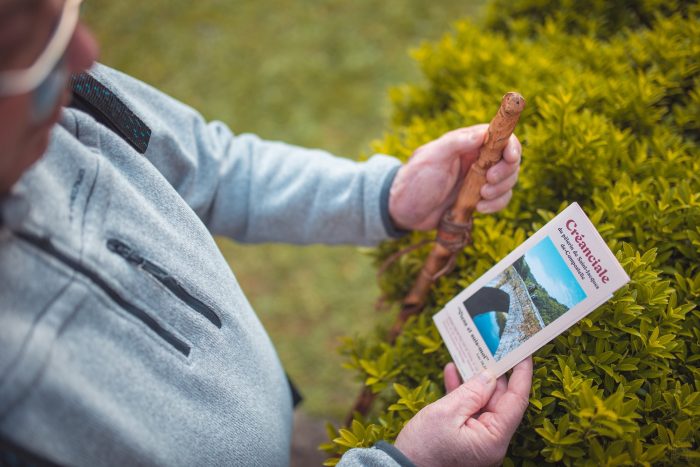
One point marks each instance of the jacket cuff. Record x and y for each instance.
(389, 226)
(398, 456)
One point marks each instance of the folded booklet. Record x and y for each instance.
(543, 287)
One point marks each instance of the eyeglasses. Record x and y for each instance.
(48, 76)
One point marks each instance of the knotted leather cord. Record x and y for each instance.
(464, 232)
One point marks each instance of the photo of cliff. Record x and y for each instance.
(524, 298)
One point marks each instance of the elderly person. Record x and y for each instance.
(125, 337)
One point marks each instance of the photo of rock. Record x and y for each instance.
(524, 298)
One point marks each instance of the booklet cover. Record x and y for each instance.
(552, 280)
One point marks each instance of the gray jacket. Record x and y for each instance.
(124, 337)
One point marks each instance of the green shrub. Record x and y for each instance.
(611, 122)
(597, 17)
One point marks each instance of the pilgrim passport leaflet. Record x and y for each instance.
(548, 283)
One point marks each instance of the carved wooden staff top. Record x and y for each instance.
(454, 230)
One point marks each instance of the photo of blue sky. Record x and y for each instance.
(551, 272)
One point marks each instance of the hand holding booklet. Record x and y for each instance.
(547, 284)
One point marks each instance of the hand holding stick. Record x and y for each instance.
(454, 230)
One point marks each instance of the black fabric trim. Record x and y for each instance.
(297, 398)
(12, 455)
(395, 454)
(95, 99)
(389, 226)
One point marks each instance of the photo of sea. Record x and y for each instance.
(524, 298)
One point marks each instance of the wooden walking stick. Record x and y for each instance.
(454, 230)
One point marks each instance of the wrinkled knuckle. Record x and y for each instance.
(440, 411)
(467, 392)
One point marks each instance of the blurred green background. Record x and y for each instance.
(313, 73)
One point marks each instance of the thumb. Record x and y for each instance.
(469, 398)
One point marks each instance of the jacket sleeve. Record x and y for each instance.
(259, 191)
(381, 454)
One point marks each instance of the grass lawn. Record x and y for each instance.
(314, 73)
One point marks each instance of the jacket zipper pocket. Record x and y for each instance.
(125, 251)
(47, 247)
